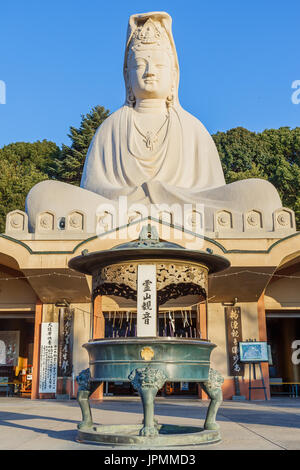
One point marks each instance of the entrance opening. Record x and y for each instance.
(16, 353)
(283, 329)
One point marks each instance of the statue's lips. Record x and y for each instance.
(150, 81)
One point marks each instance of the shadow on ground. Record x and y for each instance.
(65, 434)
(262, 413)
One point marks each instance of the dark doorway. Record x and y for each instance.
(16, 338)
(282, 331)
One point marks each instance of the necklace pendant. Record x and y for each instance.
(150, 140)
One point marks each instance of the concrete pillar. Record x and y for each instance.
(262, 328)
(201, 327)
(98, 333)
(36, 350)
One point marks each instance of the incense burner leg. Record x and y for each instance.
(213, 388)
(86, 388)
(147, 382)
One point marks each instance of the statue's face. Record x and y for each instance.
(151, 74)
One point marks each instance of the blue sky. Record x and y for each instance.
(60, 58)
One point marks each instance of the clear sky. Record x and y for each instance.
(59, 58)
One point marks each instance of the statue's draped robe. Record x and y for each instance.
(185, 169)
(186, 164)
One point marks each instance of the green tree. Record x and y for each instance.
(22, 165)
(70, 164)
(273, 154)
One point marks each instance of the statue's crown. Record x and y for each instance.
(149, 34)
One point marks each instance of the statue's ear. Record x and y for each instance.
(130, 98)
(126, 74)
(129, 93)
(174, 76)
(170, 97)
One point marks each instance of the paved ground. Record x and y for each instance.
(51, 424)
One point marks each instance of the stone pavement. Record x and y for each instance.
(51, 424)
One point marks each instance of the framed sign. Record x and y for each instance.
(254, 351)
(146, 300)
(184, 386)
(9, 347)
(48, 357)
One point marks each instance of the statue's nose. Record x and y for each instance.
(149, 72)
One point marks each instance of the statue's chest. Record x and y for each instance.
(149, 133)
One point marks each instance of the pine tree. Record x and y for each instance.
(70, 164)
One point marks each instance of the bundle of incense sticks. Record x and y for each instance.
(171, 324)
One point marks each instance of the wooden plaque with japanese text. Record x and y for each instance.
(234, 336)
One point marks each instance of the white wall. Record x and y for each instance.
(217, 331)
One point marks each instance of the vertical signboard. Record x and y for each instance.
(48, 357)
(146, 300)
(234, 336)
(65, 348)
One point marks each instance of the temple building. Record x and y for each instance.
(149, 154)
(36, 287)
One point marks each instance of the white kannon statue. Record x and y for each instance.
(152, 150)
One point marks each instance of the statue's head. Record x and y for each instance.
(150, 65)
